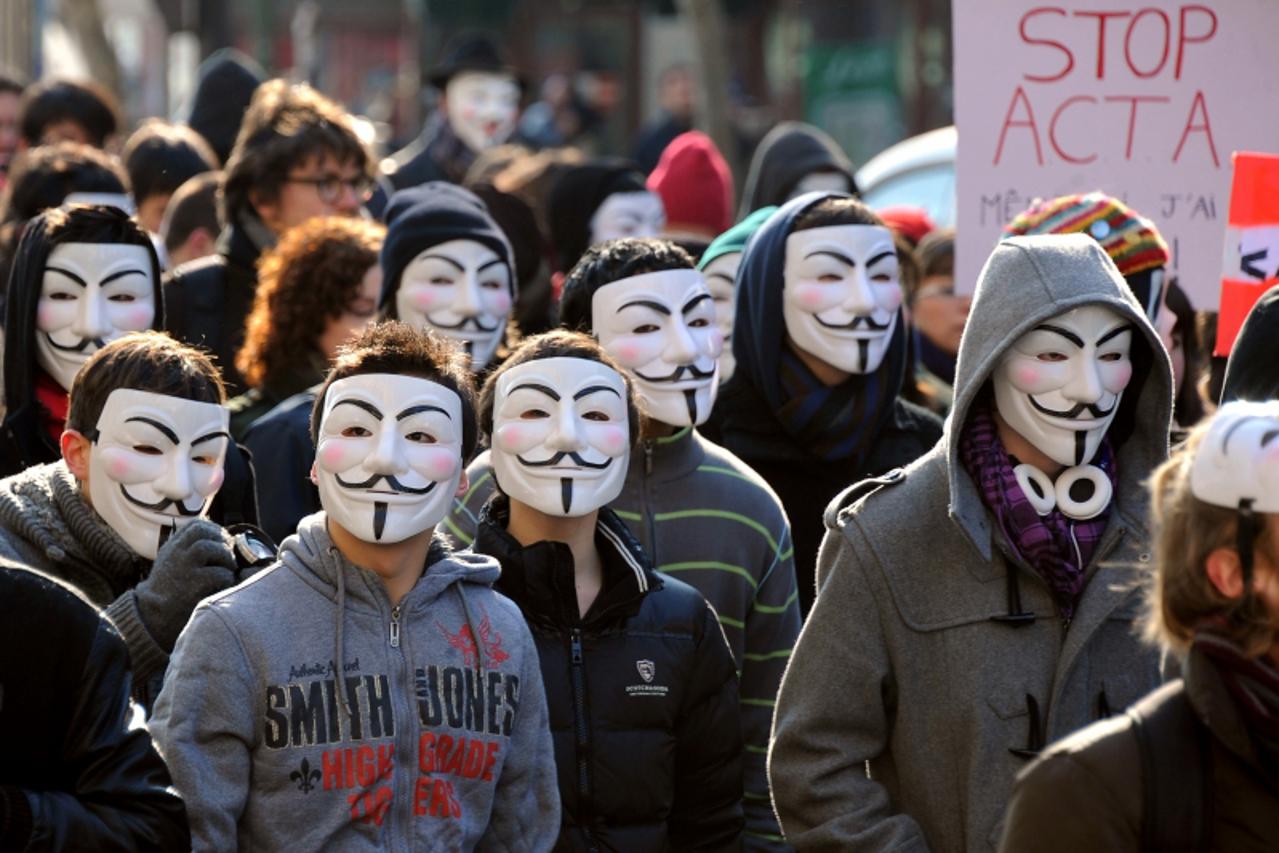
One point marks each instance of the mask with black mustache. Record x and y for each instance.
(661, 326)
(1060, 384)
(155, 463)
(461, 289)
(561, 435)
(388, 459)
(90, 294)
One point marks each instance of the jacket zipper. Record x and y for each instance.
(648, 457)
(395, 627)
(579, 721)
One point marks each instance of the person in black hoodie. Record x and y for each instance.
(639, 678)
(814, 405)
(82, 276)
(597, 201)
(227, 81)
(1253, 370)
(795, 158)
(297, 157)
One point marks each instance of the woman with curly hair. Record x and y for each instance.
(316, 288)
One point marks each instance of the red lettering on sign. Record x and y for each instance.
(1052, 130)
(1133, 100)
(1199, 38)
(1028, 122)
(1028, 39)
(1198, 106)
(1165, 41)
(1101, 17)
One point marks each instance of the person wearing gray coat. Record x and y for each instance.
(979, 603)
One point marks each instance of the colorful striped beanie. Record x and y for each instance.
(1131, 240)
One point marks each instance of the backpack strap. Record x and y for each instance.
(1176, 771)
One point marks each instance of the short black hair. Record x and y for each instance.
(613, 261)
(161, 156)
(192, 205)
(394, 347)
(42, 177)
(87, 104)
(836, 210)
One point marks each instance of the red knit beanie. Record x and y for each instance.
(695, 185)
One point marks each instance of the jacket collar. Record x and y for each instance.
(540, 577)
(1214, 705)
(244, 239)
(667, 457)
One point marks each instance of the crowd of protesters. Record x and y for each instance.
(496, 495)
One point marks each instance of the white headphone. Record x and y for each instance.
(1081, 492)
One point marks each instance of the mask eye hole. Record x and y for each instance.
(1051, 356)
(355, 432)
(62, 296)
(122, 297)
(596, 416)
(1111, 356)
(420, 437)
(491, 285)
(440, 280)
(699, 323)
(204, 460)
(829, 278)
(147, 450)
(533, 414)
(646, 329)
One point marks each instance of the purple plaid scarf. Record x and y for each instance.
(1044, 542)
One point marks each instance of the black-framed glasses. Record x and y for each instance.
(329, 187)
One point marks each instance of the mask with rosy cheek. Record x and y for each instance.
(633, 214)
(1059, 388)
(721, 278)
(90, 294)
(841, 296)
(661, 328)
(482, 107)
(389, 456)
(155, 464)
(561, 438)
(462, 290)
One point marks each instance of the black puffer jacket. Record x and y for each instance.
(74, 773)
(642, 695)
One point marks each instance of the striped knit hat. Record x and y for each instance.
(1131, 240)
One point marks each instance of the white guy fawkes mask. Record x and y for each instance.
(561, 438)
(91, 294)
(461, 289)
(633, 214)
(389, 455)
(721, 279)
(842, 293)
(155, 464)
(482, 107)
(820, 182)
(661, 327)
(1059, 385)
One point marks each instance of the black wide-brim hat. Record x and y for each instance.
(473, 51)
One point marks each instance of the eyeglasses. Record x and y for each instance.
(329, 187)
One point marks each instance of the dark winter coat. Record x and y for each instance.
(805, 483)
(1086, 792)
(281, 441)
(641, 691)
(75, 773)
(436, 155)
(207, 301)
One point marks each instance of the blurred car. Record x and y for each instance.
(918, 172)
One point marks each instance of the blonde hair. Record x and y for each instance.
(1180, 596)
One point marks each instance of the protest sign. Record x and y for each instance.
(1250, 258)
(1143, 101)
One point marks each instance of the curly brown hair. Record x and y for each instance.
(309, 278)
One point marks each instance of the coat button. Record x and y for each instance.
(1143, 557)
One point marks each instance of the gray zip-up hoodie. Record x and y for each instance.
(430, 740)
(934, 654)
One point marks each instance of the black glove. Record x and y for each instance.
(193, 564)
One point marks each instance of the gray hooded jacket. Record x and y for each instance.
(430, 741)
(909, 661)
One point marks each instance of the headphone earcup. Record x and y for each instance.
(1037, 488)
(1083, 492)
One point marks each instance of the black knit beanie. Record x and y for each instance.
(420, 217)
(578, 194)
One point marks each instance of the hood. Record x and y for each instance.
(312, 555)
(790, 151)
(427, 215)
(575, 197)
(759, 332)
(22, 297)
(1026, 281)
(695, 184)
(227, 81)
(1251, 373)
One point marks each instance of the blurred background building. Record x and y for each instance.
(871, 72)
